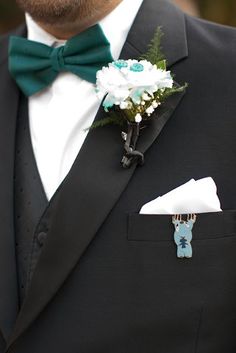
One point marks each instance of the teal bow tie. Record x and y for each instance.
(35, 66)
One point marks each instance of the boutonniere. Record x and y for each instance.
(134, 90)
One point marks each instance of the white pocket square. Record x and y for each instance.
(196, 196)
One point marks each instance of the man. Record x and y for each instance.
(81, 269)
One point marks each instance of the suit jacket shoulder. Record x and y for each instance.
(210, 37)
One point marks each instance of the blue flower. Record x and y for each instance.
(120, 64)
(137, 67)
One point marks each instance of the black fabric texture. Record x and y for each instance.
(108, 279)
(29, 199)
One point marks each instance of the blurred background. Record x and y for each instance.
(221, 11)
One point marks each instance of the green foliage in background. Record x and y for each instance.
(10, 16)
(222, 11)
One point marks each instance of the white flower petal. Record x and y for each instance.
(138, 118)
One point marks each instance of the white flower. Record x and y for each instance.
(138, 118)
(146, 97)
(123, 105)
(155, 104)
(131, 80)
(150, 110)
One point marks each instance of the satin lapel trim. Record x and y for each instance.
(9, 96)
(88, 194)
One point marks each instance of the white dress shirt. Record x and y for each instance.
(60, 114)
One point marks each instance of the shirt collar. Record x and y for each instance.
(117, 24)
(38, 34)
(116, 27)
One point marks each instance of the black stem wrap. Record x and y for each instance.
(131, 154)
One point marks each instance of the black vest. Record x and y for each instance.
(30, 203)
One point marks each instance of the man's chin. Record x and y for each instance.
(52, 12)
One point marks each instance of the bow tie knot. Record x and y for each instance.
(57, 59)
(35, 66)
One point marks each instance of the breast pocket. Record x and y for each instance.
(159, 228)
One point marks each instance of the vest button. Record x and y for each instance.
(42, 236)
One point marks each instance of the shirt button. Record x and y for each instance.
(42, 236)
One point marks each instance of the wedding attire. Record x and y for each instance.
(98, 276)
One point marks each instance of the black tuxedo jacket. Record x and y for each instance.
(108, 279)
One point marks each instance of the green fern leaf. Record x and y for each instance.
(114, 119)
(154, 53)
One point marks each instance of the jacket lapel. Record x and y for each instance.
(96, 179)
(9, 95)
(153, 14)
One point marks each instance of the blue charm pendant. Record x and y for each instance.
(183, 234)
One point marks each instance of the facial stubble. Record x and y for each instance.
(57, 12)
(61, 12)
